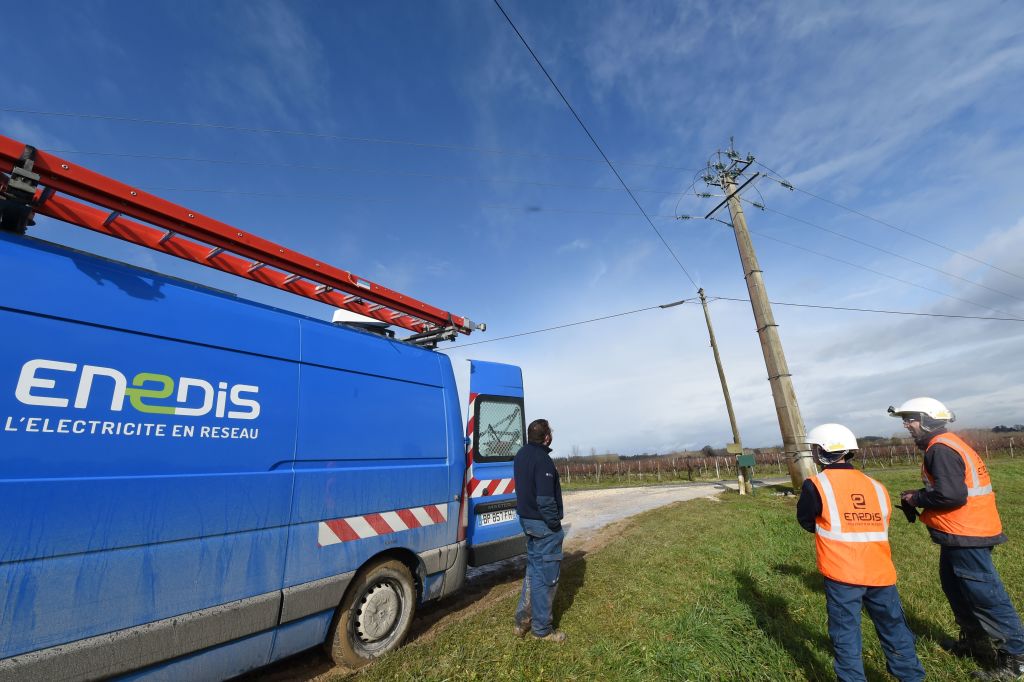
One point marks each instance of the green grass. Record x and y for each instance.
(708, 590)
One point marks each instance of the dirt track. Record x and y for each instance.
(593, 517)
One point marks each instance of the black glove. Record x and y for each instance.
(909, 511)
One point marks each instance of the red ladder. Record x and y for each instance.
(136, 216)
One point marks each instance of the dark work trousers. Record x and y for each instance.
(543, 563)
(980, 604)
(883, 605)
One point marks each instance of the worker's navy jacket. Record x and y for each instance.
(538, 489)
(948, 491)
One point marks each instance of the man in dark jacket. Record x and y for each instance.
(961, 515)
(539, 505)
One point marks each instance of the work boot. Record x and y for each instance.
(1009, 668)
(556, 636)
(521, 630)
(967, 645)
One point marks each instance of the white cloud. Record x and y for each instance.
(574, 245)
(274, 62)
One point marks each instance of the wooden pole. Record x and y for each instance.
(725, 391)
(791, 423)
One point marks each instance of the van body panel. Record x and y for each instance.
(53, 601)
(141, 470)
(179, 466)
(343, 348)
(211, 665)
(344, 415)
(54, 281)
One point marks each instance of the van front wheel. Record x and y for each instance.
(375, 615)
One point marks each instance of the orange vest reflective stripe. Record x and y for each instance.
(852, 532)
(978, 517)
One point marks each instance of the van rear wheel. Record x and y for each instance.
(375, 615)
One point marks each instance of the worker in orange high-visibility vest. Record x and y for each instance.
(960, 512)
(849, 512)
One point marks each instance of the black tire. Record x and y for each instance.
(375, 615)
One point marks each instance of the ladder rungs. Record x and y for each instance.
(75, 212)
(106, 205)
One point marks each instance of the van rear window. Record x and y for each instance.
(500, 428)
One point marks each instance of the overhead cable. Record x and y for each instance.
(915, 235)
(594, 141)
(880, 249)
(744, 300)
(877, 272)
(876, 310)
(389, 200)
(569, 324)
(358, 171)
(330, 136)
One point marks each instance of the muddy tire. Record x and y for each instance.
(375, 615)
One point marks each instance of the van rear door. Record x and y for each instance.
(496, 429)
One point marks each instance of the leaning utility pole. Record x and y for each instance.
(742, 472)
(791, 423)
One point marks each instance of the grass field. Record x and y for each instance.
(710, 590)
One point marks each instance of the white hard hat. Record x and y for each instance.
(831, 443)
(926, 406)
(833, 438)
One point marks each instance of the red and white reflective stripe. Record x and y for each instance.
(497, 486)
(468, 476)
(371, 525)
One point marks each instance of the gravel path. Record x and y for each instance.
(589, 511)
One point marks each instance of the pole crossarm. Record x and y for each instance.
(728, 197)
(134, 215)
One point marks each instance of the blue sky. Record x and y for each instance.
(481, 195)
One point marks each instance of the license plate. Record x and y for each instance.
(490, 518)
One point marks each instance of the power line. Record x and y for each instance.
(789, 185)
(330, 136)
(388, 200)
(880, 249)
(877, 310)
(357, 171)
(745, 300)
(594, 141)
(569, 324)
(876, 272)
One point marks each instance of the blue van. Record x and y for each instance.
(194, 485)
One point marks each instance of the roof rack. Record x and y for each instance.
(51, 186)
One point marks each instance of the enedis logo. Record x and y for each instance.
(148, 393)
(860, 502)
